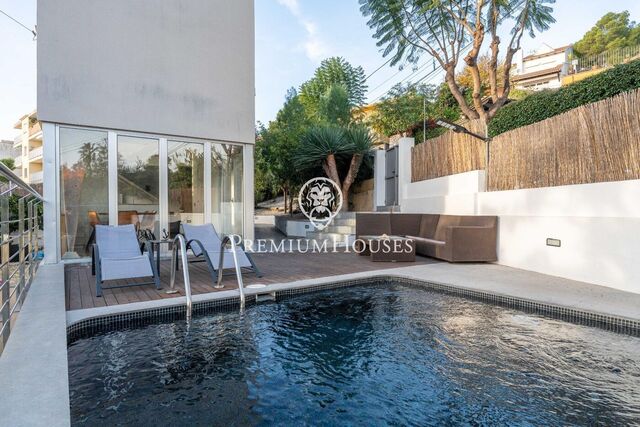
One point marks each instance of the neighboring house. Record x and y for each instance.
(7, 151)
(28, 144)
(542, 70)
(147, 117)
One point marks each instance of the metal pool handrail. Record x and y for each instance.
(179, 242)
(236, 265)
(17, 270)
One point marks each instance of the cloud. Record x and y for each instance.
(292, 5)
(314, 47)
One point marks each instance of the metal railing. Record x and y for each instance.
(19, 225)
(237, 267)
(606, 59)
(180, 244)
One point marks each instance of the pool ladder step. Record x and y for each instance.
(267, 296)
(264, 295)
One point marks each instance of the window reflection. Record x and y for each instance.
(227, 188)
(138, 183)
(186, 184)
(84, 187)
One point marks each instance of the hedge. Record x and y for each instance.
(544, 104)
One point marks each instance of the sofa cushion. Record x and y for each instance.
(444, 222)
(428, 224)
(405, 224)
(373, 224)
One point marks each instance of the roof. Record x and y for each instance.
(545, 72)
(18, 124)
(550, 53)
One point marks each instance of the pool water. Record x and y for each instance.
(365, 355)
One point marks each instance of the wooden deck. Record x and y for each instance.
(275, 268)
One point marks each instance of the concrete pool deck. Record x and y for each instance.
(489, 278)
(33, 367)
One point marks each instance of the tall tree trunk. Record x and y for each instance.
(291, 203)
(331, 168)
(354, 167)
(284, 193)
(450, 78)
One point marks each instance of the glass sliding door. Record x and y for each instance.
(139, 183)
(186, 184)
(84, 189)
(227, 209)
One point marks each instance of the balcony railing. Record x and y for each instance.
(606, 59)
(35, 128)
(35, 153)
(35, 177)
(19, 252)
(17, 162)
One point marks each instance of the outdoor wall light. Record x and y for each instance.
(553, 242)
(460, 129)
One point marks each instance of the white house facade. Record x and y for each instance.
(147, 112)
(544, 69)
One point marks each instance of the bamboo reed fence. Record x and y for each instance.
(449, 154)
(597, 142)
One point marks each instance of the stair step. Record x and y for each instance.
(330, 236)
(344, 221)
(346, 215)
(340, 229)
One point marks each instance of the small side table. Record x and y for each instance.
(155, 247)
(380, 255)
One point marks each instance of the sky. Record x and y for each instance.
(292, 37)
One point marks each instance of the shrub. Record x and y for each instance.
(548, 103)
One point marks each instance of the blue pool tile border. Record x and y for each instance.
(89, 327)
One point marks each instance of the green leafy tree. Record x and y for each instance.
(331, 72)
(402, 107)
(334, 106)
(613, 30)
(265, 184)
(408, 29)
(278, 143)
(9, 162)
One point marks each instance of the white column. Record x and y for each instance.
(404, 168)
(163, 165)
(379, 169)
(248, 196)
(50, 192)
(112, 176)
(207, 183)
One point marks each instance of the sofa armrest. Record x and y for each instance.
(471, 243)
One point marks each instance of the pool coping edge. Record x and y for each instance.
(78, 319)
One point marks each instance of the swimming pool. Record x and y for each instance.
(371, 355)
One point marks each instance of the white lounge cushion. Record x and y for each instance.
(207, 235)
(227, 262)
(125, 268)
(119, 253)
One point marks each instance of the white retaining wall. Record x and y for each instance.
(598, 224)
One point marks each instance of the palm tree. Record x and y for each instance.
(327, 144)
(360, 142)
